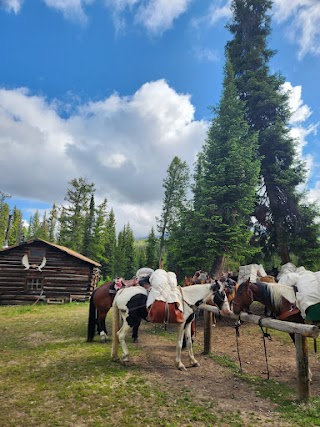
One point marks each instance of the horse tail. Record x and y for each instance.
(92, 319)
(115, 329)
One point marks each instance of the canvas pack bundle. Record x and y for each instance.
(163, 312)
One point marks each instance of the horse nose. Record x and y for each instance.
(236, 309)
(226, 311)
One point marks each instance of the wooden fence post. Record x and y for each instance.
(301, 343)
(207, 332)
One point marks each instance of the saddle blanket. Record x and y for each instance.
(163, 312)
(164, 287)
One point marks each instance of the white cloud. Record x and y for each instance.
(314, 194)
(205, 54)
(11, 5)
(71, 9)
(122, 144)
(300, 130)
(302, 17)
(158, 15)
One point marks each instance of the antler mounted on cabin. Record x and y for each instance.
(27, 266)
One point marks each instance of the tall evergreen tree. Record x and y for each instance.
(279, 210)
(4, 217)
(229, 179)
(44, 228)
(110, 246)
(89, 224)
(129, 252)
(120, 258)
(52, 223)
(175, 185)
(34, 230)
(16, 229)
(99, 236)
(152, 258)
(73, 217)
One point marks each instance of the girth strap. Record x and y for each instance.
(293, 310)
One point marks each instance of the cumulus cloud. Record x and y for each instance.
(73, 10)
(122, 144)
(11, 5)
(158, 15)
(302, 18)
(300, 130)
(299, 17)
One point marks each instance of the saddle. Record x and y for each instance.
(164, 312)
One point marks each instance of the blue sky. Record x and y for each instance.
(112, 90)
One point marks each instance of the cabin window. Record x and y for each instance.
(34, 284)
(37, 253)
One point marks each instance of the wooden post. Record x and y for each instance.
(302, 367)
(207, 332)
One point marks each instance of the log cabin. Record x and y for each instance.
(37, 270)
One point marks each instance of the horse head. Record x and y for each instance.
(220, 297)
(243, 298)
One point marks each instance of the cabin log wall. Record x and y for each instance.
(62, 276)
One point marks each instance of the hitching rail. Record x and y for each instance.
(301, 332)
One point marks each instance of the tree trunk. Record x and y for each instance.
(218, 266)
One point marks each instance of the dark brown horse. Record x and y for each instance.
(279, 299)
(100, 303)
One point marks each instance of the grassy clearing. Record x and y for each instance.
(50, 376)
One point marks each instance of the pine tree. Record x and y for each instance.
(108, 268)
(98, 242)
(43, 232)
(280, 211)
(88, 233)
(4, 217)
(175, 185)
(229, 179)
(152, 258)
(73, 216)
(52, 223)
(15, 233)
(129, 252)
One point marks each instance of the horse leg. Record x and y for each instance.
(101, 326)
(122, 340)
(180, 335)
(115, 329)
(187, 334)
(135, 332)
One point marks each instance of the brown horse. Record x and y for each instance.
(100, 303)
(200, 277)
(279, 299)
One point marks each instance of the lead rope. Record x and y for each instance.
(265, 335)
(237, 326)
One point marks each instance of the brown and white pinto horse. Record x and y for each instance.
(100, 303)
(130, 304)
(279, 299)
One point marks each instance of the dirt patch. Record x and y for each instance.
(213, 381)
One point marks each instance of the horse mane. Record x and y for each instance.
(277, 292)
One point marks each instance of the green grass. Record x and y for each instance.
(289, 409)
(50, 376)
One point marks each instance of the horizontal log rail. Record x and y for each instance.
(311, 331)
(300, 331)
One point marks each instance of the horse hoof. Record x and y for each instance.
(195, 365)
(135, 339)
(181, 367)
(125, 359)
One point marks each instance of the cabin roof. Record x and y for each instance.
(61, 248)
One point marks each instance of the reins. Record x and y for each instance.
(265, 335)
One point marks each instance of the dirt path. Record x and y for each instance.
(213, 381)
